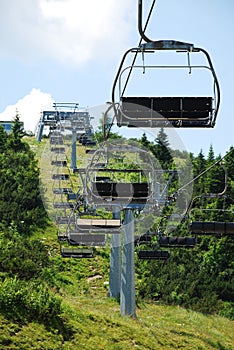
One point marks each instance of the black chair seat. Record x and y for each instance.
(60, 176)
(120, 190)
(212, 227)
(86, 239)
(76, 253)
(153, 254)
(156, 111)
(177, 242)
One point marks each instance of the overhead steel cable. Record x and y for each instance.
(141, 32)
(107, 132)
(203, 172)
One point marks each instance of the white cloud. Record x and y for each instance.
(29, 108)
(69, 31)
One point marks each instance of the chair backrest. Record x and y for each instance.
(121, 190)
(212, 227)
(139, 111)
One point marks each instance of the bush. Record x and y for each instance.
(28, 301)
(22, 257)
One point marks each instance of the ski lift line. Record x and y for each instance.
(203, 172)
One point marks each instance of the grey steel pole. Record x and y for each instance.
(73, 150)
(127, 292)
(115, 262)
(40, 131)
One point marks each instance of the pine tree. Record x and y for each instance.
(20, 201)
(162, 138)
(15, 138)
(199, 165)
(161, 150)
(215, 177)
(3, 139)
(144, 141)
(229, 165)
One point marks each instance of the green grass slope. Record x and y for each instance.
(95, 323)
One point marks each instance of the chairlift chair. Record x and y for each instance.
(99, 225)
(165, 111)
(110, 183)
(59, 163)
(212, 228)
(76, 252)
(186, 110)
(62, 190)
(153, 254)
(91, 240)
(177, 242)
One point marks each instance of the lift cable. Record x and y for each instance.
(142, 32)
(135, 56)
(205, 171)
(106, 134)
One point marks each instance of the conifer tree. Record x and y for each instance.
(144, 141)
(215, 177)
(161, 150)
(229, 165)
(20, 201)
(199, 165)
(3, 139)
(14, 140)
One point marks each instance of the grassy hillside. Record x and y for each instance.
(97, 325)
(89, 320)
(92, 321)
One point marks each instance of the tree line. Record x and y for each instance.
(201, 278)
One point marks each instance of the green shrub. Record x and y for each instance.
(21, 256)
(31, 301)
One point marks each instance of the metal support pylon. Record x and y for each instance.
(73, 150)
(127, 291)
(115, 262)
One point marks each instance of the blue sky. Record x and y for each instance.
(69, 51)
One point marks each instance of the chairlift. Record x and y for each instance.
(99, 225)
(76, 252)
(62, 190)
(58, 150)
(177, 242)
(153, 254)
(212, 228)
(56, 140)
(64, 205)
(61, 177)
(59, 163)
(184, 110)
(145, 238)
(91, 240)
(114, 183)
